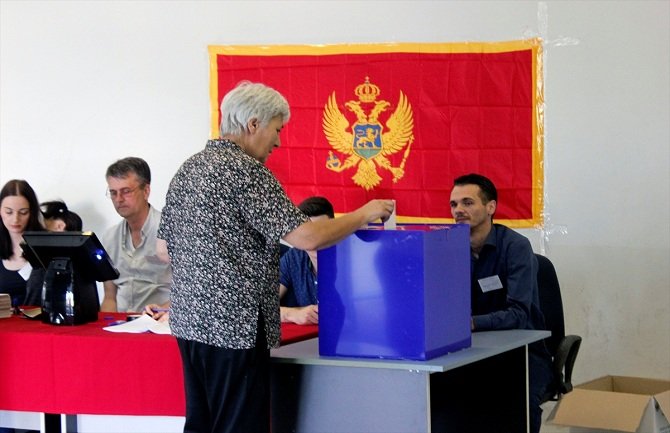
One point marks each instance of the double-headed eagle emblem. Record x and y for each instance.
(366, 143)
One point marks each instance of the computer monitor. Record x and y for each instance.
(73, 262)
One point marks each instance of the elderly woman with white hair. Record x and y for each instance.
(223, 218)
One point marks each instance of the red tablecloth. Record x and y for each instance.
(84, 369)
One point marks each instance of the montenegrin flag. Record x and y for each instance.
(401, 121)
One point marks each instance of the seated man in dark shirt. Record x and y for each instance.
(504, 278)
(297, 272)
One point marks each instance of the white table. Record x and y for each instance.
(482, 388)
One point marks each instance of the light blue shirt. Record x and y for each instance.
(143, 278)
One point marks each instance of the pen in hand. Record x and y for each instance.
(157, 312)
(153, 309)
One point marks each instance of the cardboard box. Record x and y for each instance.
(616, 403)
(397, 294)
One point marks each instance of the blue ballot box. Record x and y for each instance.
(397, 294)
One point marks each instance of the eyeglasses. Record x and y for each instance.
(123, 192)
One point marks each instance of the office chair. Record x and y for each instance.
(563, 348)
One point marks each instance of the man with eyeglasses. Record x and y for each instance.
(131, 244)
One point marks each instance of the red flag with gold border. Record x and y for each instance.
(401, 121)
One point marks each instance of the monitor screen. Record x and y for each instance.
(84, 249)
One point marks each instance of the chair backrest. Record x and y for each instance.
(563, 349)
(551, 302)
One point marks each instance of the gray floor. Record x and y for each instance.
(546, 427)
(550, 428)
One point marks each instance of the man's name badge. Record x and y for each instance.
(490, 283)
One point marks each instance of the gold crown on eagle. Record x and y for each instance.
(367, 92)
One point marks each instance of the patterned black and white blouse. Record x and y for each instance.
(223, 217)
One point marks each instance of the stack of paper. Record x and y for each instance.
(5, 305)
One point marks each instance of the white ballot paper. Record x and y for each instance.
(142, 324)
(389, 224)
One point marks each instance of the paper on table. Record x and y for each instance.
(31, 313)
(142, 324)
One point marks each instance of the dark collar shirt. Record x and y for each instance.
(296, 273)
(504, 283)
(223, 217)
(12, 283)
